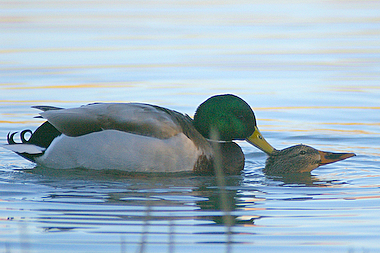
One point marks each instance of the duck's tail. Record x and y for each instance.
(36, 145)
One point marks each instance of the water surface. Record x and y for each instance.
(309, 69)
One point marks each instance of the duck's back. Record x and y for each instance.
(128, 117)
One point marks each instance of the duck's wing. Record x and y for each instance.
(136, 118)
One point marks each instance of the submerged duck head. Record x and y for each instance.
(300, 158)
(227, 117)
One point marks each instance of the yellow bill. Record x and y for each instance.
(257, 140)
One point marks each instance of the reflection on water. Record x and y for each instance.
(176, 211)
(309, 69)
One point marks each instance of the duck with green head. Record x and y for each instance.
(140, 137)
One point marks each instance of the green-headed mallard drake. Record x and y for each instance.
(140, 137)
(300, 158)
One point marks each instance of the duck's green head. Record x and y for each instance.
(227, 117)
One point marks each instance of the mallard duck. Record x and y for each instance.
(300, 158)
(139, 137)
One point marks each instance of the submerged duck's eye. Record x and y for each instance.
(302, 152)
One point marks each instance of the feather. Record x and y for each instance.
(25, 148)
(134, 118)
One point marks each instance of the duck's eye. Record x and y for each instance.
(302, 152)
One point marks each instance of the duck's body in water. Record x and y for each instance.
(138, 137)
(300, 158)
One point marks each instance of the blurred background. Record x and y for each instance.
(310, 69)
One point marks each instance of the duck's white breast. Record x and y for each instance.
(113, 149)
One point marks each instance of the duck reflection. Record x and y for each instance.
(297, 179)
(140, 193)
(225, 203)
(139, 197)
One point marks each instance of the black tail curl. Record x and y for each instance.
(42, 137)
(10, 137)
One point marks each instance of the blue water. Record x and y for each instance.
(309, 69)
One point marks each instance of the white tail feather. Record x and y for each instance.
(25, 148)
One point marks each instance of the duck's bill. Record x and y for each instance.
(257, 140)
(330, 157)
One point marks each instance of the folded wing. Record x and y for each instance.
(136, 118)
